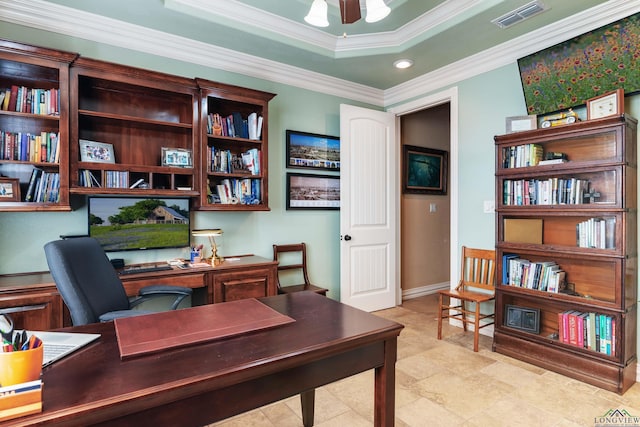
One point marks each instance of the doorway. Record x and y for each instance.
(419, 287)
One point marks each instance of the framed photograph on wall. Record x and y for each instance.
(177, 157)
(314, 151)
(9, 189)
(305, 191)
(424, 170)
(96, 152)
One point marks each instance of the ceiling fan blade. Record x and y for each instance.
(350, 11)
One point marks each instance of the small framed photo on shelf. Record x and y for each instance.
(424, 170)
(96, 152)
(521, 123)
(177, 157)
(313, 191)
(608, 104)
(522, 318)
(314, 151)
(9, 189)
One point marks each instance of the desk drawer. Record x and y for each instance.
(193, 280)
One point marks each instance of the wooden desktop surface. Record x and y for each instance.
(204, 383)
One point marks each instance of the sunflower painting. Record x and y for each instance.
(566, 75)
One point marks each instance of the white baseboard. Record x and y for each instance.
(424, 290)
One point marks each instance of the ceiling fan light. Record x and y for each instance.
(376, 10)
(317, 15)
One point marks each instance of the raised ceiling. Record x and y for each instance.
(269, 38)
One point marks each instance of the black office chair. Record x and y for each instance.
(90, 286)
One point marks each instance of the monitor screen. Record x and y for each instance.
(136, 223)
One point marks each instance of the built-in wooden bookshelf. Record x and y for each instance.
(112, 129)
(34, 126)
(566, 247)
(140, 115)
(234, 155)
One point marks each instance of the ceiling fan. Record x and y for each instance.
(349, 12)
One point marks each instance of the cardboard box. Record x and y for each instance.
(523, 230)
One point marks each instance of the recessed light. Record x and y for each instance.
(403, 63)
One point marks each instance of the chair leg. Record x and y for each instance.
(440, 300)
(476, 332)
(463, 306)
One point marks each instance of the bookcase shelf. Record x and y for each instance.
(234, 156)
(138, 112)
(33, 72)
(572, 258)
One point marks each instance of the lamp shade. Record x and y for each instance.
(317, 15)
(376, 10)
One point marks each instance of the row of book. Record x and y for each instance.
(235, 126)
(599, 233)
(88, 179)
(225, 161)
(592, 331)
(21, 399)
(520, 156)
(552, 191)
(544, 276)
(44, 187)
(22, 99)
(238, 191)
(29, 147)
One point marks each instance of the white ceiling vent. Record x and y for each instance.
(520, 14)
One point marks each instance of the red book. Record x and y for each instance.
(13, 99)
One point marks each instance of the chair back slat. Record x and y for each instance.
(478, 269)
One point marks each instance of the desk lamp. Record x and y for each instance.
(211, 233)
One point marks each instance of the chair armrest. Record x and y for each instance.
(149, 292)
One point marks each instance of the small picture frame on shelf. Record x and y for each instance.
(522, 318)
(96, 152)
(177, 157)
(608, 104)
(521, 123)
(9, 189)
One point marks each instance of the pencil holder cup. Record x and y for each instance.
(20, 366)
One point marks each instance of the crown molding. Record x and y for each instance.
(46, 16)
(299, 34)
(509, 52)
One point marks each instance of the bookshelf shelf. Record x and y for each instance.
(572, 258)
(239, 143)
(138, 112)
(32, 73)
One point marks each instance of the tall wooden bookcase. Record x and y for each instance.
(141, 114)
(573, 222)
(234, 141)
(43, 74)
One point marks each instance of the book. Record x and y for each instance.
(20, 399)
(33, 181)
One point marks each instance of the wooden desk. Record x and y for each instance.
(209, 382)
(34, 302)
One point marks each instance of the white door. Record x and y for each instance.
(369, 201)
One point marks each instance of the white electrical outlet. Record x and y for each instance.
(489, 206)
(433, 207)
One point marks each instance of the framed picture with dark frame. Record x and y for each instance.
(522, 318)
(9, 189)
(306, 191)
(313, 151)
(424, 170)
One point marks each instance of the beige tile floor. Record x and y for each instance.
(444, 383)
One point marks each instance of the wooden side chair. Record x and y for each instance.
(477, 285)
(292, 267)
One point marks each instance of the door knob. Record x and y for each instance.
(347, 237)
